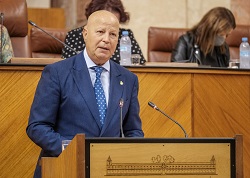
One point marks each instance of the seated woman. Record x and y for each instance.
(75, 39)
(205, 42)
(6, 52)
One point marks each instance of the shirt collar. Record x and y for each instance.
(91, 64)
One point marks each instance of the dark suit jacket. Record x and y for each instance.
(65, 104)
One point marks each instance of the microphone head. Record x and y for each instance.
(121, 103)
(151, 104)
(32, 23)
(2, 16)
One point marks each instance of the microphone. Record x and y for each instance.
(1, 50)
(157, 109)
(2, 17)
(121, 106)
(34, 25)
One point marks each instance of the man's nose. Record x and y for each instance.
(106, 37)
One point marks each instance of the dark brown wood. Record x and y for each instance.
(239, 156)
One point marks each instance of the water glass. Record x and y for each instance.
(65, 144)
(234, 63)
(135, 59)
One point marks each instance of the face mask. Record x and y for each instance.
(219, 40)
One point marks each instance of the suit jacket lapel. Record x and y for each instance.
(82, 79)
(115, 94)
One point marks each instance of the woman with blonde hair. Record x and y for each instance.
(205, 42)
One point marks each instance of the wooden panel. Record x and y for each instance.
(208, 103)
(50, 18)
(222, 108)
(172, 97)
(204, 157)
(17, 60)
(69, 164)
(219, 103)
(18, 154)
(157, 160)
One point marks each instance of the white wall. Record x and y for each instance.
(197, 8)
(38, 3)
(160, 13)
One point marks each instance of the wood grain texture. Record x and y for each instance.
(150, 158)
(50, 18)
(140, 154)
(220, 103)
(172, 97)
(69, 164)
(216, 103)
(207, 103)
(18, 154)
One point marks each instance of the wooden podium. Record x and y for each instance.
(147, 157)
(70, 163)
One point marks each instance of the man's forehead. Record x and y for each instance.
(103, 24)
(102, 15)
(104, 20)
(106, 27)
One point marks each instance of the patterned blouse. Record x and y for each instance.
(75, 40)
(7, 51)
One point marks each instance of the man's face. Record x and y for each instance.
(101, 36)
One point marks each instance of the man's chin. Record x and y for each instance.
(103, 58)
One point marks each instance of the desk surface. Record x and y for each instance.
(149, 66)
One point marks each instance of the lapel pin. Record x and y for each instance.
(121, 82)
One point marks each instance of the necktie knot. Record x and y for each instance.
(98, 71)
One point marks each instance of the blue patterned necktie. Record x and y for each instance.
(99, 94)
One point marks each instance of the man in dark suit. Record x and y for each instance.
(65, 101)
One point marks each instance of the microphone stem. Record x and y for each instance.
(54, 38)
(186, 135)
(122, 134)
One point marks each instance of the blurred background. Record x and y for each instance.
(144, 13)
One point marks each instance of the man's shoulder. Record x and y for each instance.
(65, 63)
(121, 69)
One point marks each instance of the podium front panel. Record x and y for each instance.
(139, 158)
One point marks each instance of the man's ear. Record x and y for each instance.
(84, 33)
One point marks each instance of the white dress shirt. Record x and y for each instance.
(105, 76)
